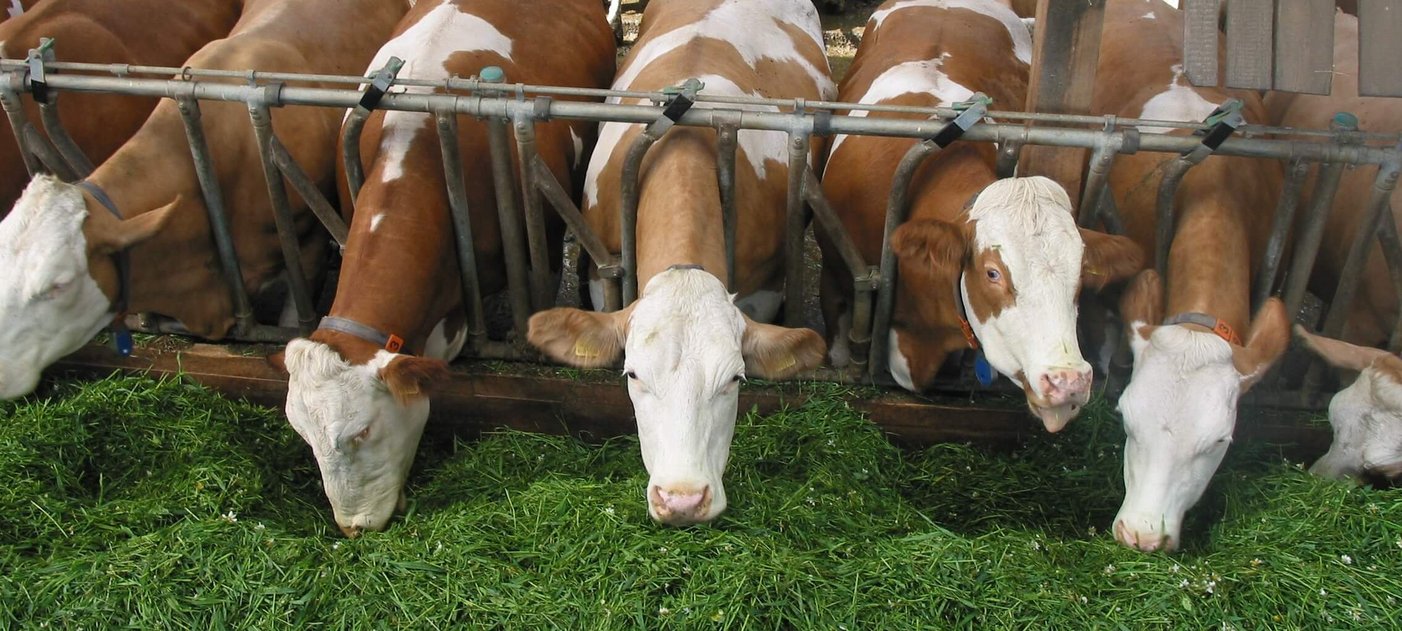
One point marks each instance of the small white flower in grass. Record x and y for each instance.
(336, 546)
(832, 443)
(230, 517)
(1399, 542)
(1084, 600)
(1211, 585)
(259, 527)
(1110, 569)
(1357, 615)
(438, 548)
(1036, 545)
(609, 511)
(1348, 560)
(1372, 507)
(1176, 568)
(1256, 562)
(1091, 531)
(662, 550)
(1322, 592)
(663, 611)
(1183, 584)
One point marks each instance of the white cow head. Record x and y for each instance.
(687, 348)
(1019, 262)
(53, 253)
(363, 422)
(1179, 409)
(1366, 416)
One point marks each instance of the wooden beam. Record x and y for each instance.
(1201, 39)
(1379, 47)
(1304, 58)
(1250, 43)
(1066, 49)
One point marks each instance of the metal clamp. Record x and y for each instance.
(380, 83)
(973, 110)
(36, 81)
(679, 100)
(1222, 123)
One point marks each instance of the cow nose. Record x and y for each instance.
(1142, 543)
(1066, 385)
(351, 532)
(680, 506)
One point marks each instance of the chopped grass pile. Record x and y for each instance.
(131, 502)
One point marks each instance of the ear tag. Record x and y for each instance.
(983, 371)
(121, 339)
(585, 349)
(789, 362)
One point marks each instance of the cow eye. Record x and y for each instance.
(631, 375)
(738, 378)
(994, 275)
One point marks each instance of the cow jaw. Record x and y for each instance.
(50, 304)
(363, 438)
(1179, 414)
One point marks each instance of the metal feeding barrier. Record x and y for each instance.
(491, 98)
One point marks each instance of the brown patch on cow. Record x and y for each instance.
(1143, 302)
(412, 378)
(990, 285)
(586, 339)
(776, 352)
(278, 361)
(1108, 259)
(939, 245)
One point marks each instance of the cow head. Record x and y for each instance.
(1366, 416)
(363, 422)
(55, 261)
(1179, 409)
(686, 348)
(1017, 263)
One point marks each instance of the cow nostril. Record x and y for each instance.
(351, 532)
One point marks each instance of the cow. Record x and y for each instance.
(686, 344)
(1179, 408)
(105, 31)
(1372, 314)
(1366, 416)
(59, 278)
(16, 8)
(1005, 257)
(362, 406)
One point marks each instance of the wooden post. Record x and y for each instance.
(1304, 52)
(1200, 41)
(1379, 47)
(1066, 48)
(1250, 38)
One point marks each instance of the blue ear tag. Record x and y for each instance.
(121, 338)
(982, 370)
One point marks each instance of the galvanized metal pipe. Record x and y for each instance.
(727, 140)
(310, 193)
(14, 110)
(351, 129)
(1101, 161)
(536, 240)
(1352, 273)
(1391, 246)
(797, 220)
(282, 214)
(1280, 228)
(1165, 220)
(628, 226)
(509, 220)
(560, 200)
(213, 196)
(865, 278)
(447, 126)
(705, 117)
(1008, 153)
(1311, 233)
(53, 127)
(897, 204)
(36, 144)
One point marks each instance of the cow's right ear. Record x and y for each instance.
(1141, 308)
(585, 339)
(940, 245)
(278, 361)
(122, 234)
(411, 378)
(1108, 258)
(1338, 353)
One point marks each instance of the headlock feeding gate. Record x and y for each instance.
(491, 97)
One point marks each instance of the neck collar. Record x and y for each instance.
(121, 335)
(388, 341)
(960, 312)
(1219, 327)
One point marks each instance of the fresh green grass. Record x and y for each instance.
(134, 503)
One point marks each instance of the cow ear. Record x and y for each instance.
(410, 378)
(1108, 258)
(587, 339)
(1340, 354)
(776, 352)
(1141, 308)
(278, 361)
(940, 245)
(120, 235)
(1270, 334)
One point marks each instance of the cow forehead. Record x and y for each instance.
(1029, 222)
(42, 238)
(684, 315)
(1183, 381)
(333, 392)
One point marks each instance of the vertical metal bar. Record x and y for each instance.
(727, 134)
(1100, 164)
(628, 224)
(218, 217)
(1392, 253)
(793, 234)
(535, 215)
(282, 214)
(1280, 228)
(1311, 232)
(864, 277)
(350, 150)
(1352, 273)
(560, 200)
(308, 191)
(896, 207)
(53, 127)
(14, 110)
(1008, 154)
(447, 124)
(1165, 221)
(36, 144)
(509, 219)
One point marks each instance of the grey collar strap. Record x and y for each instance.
(1218, 326)
(686, 266)
(388, 341)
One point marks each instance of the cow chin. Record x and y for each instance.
(1055, 417)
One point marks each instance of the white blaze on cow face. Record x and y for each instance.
(1026, 254)
(50, 304)
(1179, 413)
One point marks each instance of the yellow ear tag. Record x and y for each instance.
(584, 349)
(789, 362)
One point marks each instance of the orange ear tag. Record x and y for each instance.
(394, 343)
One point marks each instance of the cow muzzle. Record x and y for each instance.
(1143, 540)
(1060, 396)
(680, 505)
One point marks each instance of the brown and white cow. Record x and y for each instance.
(1180, 405)
(686, 344)
(105, 31)
(59, 284)
(362, 407)
(1374, 309)
(1366, 416)
(1010, 263)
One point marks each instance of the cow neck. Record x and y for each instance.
(120, 258)
(1209, 269)
(387, 341)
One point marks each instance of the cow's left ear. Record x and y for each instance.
(410, 378)
(1108, 258)
(576, 337)
(1270, 334)
(109, 238)
(776, 352)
